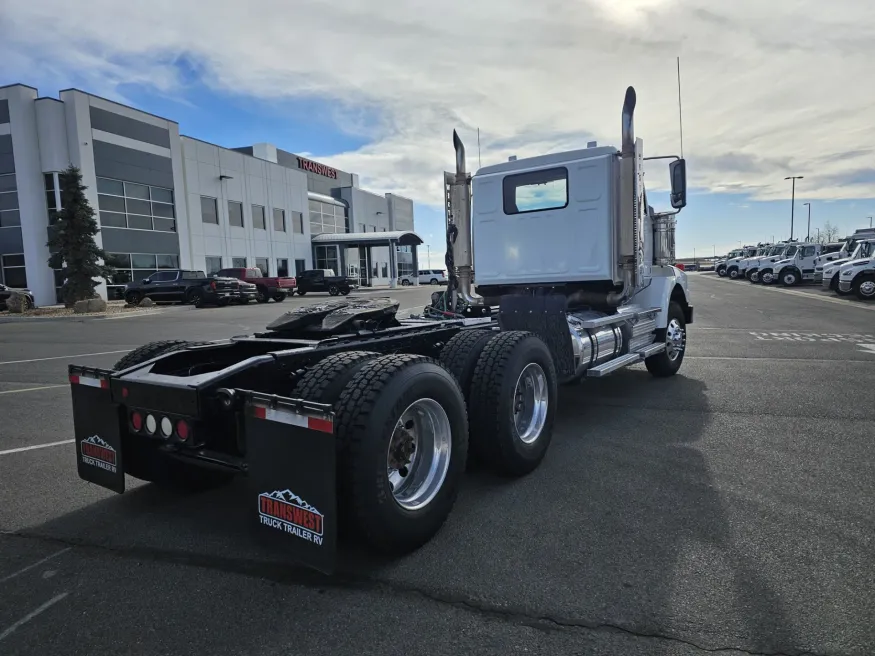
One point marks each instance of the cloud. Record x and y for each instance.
(769, 89)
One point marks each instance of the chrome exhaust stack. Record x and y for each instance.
(628, 227)
(458, 188)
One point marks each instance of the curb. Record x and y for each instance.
(5, 320)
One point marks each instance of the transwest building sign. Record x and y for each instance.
(319, 169)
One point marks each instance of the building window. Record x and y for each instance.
(279, 220)
(13, 272)
(385, 270)
(282, 267)
(9, 216)
(326, 258)
(298, 223)
(263, 264)
(363, 227)
(258, 217)
(235, 213)
(327, 218)
(536, 191)
(213, 263)
(134, 266)
(209, 210)
(130, 205)
(300, 267)
(238, 262)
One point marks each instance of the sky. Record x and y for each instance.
(769, 90)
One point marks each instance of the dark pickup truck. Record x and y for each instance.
(276, 287)
(6, 292)
(324, 280)
(181, 285)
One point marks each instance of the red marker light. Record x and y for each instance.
(74, 379)
(136, 421)
(124, 392)
(182, 429)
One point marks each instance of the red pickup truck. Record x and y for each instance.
(275, 288)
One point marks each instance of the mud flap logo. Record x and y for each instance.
(286, 511)
(98, 453)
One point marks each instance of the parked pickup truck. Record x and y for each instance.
(187, 286)
(325, 280)
(276, 288)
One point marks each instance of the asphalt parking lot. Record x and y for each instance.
(728, 509)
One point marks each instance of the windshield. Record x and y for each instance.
(863, 249)
(791, 251)
(777, 250)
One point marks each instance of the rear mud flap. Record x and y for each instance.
(96, 424)
(290, 453)
(546, 317)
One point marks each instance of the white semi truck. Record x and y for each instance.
(857, 275)
(831, 252)
(732, 265)
(830, 276)
(795, 269)
(845, 253)
(720, 266)
(344, 413)
(775, 253)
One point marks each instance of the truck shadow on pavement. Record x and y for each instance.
(622, 527)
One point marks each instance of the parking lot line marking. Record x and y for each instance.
(64, 357)
(796, 293)
(31, 389)
(36, 564)
(35, 446)
(27, 618)
(764, 359)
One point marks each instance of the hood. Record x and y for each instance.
(785, 261)
(855, 263)
(835, 263)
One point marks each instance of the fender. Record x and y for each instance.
(667, 284)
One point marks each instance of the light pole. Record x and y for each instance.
(428, 250)
(794, 178)
(870, 221)
(714, 246)
(808, 234)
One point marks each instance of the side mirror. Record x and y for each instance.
(678, 172)
(146, 281)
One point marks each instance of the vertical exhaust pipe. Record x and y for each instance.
(459, 214)
(627, 217)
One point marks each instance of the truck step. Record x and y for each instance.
(612, 365)
(652, 349)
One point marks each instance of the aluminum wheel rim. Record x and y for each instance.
(767, 277)
(867, 288)
(419, 452)
(530, 402)
(789, 278)
(675, 340)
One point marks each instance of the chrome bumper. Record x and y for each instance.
(844, 285)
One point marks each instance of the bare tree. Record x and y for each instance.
(828, 233)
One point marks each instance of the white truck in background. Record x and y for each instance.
(864, 249)
(845, 254)
(794, 270)
(720, 266)
(775, 253)
(745, 264)
(732, 269)
(831, 252)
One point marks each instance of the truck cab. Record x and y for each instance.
(746, 264)
(720, 266)
(765, 265)
(831, 252)
(732, 266)
(799, 268)
(831, 272)
(858, 275)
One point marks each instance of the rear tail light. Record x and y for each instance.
(137, 421)
(213, 284)
(151, 424)
(182, 429)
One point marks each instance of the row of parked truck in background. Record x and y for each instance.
(233, 286)
(845, 267)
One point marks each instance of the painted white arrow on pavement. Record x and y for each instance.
(867, 348)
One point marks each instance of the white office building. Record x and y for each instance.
(168, 201)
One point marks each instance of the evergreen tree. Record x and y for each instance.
(72, 241)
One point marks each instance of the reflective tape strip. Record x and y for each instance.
(89, 381)
(294, 419)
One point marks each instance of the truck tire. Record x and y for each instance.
(323, 382)
(732, 272)
(279, 298)
(133, 298)
(393, 507)
(516, 390)
(721, 271)
(864, 286)
(344, 291)
(667, 363)
(152, 350)
(262, 295)
(767, 276)
(460, 355)
(790, 277)
(334, 290)
(301, 292)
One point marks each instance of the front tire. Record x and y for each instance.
(790, 278)
(405, 283)
(279, 298)
(301, 292)
(667, 363)
(333, 290)
(433, 281)
(516, 388)
(732, 272)
(396, 498)
(864, 287)
(261, 295)
(721, 271)
(767, 276)
(133, 298)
